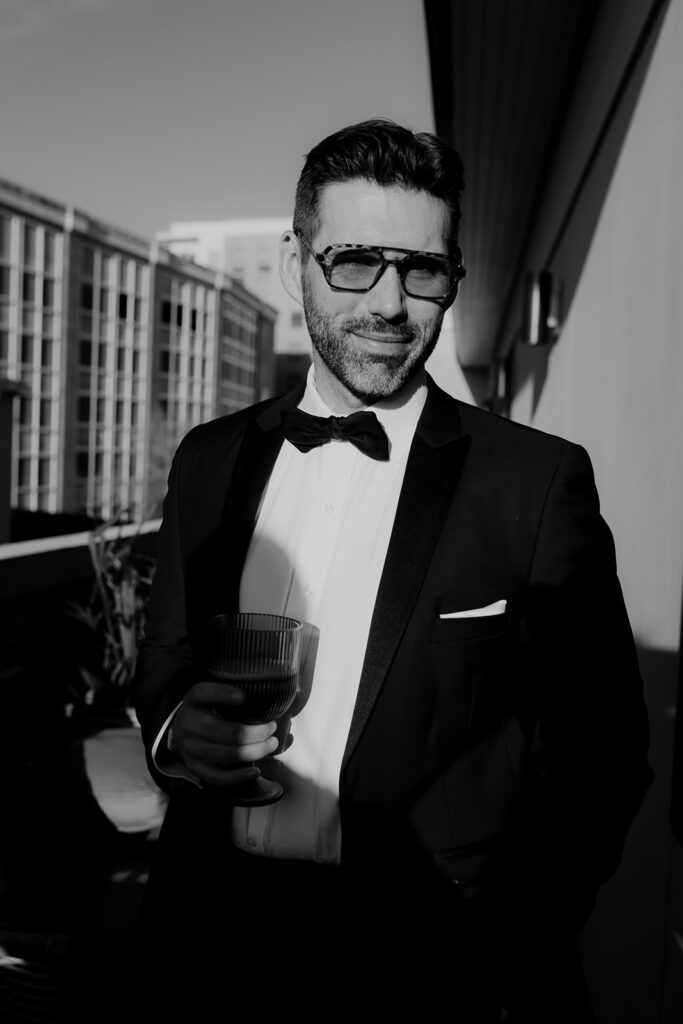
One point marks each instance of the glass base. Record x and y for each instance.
(257, 793)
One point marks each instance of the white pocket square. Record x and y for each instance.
(497, 608)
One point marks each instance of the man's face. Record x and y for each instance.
(369, 344)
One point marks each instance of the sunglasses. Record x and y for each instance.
(358, 268)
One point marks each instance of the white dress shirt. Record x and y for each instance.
(317, 554)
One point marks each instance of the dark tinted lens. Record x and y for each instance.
(353, 268)
(427, 276)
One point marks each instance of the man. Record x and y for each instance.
(470, 743)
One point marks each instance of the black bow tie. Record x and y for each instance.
(360, 428)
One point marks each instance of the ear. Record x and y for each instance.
(290, 265)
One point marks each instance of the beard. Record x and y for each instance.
(369, 376)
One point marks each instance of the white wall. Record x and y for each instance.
(615, 384)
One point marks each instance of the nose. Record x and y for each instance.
(387, 299)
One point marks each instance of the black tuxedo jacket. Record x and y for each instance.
(507, 754)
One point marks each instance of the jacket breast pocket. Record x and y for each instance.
(473, 659)
(482, 627)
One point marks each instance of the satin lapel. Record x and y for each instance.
(435, 461)
(259, 449)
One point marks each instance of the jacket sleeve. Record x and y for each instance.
(589, 770)
(165, 666)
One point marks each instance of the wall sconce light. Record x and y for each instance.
(541, 311)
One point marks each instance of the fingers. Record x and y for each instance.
(216, 749)
(215, 695)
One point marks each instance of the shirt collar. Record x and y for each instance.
(398, 414)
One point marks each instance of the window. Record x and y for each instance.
(27, 348)
(85, 352)
(45, 412)
(121, 360)
(28, 287)
(48, 292)
(123, 306)
(49, 252)
(165, 311)
(5, 226)
(4, 280)
(4, 346)
(88, 261)
(86, 296)
(82, 464)
(163, 360)
(83, 410)
(46, 353)
(297, 318)
(29, 245)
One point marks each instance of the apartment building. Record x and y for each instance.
(120, 347)
(248, 251)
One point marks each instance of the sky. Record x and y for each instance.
(144, 112)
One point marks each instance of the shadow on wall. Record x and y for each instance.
(623, 929)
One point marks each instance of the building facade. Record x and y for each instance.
(121, 347)
(248, 250)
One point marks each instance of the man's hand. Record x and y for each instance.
(216, 749)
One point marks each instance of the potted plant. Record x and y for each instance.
(115, 617)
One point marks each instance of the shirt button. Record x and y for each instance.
(329, 507)
(308, 590)
(251, 842)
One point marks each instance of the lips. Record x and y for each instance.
(383, 337)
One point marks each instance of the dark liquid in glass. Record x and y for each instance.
(267, 695)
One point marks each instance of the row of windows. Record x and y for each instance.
(237, 374)
(231, 307)
(24, 472)
(86, 407)
(45, 324)
(177, 314)
(44, 500)
(97, 465)
(45, 407)
(28, 437)
(29, 246)
(240, 332)
(121, 300)
(88, 353)
(32, 289)
(170, 363)
(33, 350)
(92, 268)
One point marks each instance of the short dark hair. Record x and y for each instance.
(382, 151)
